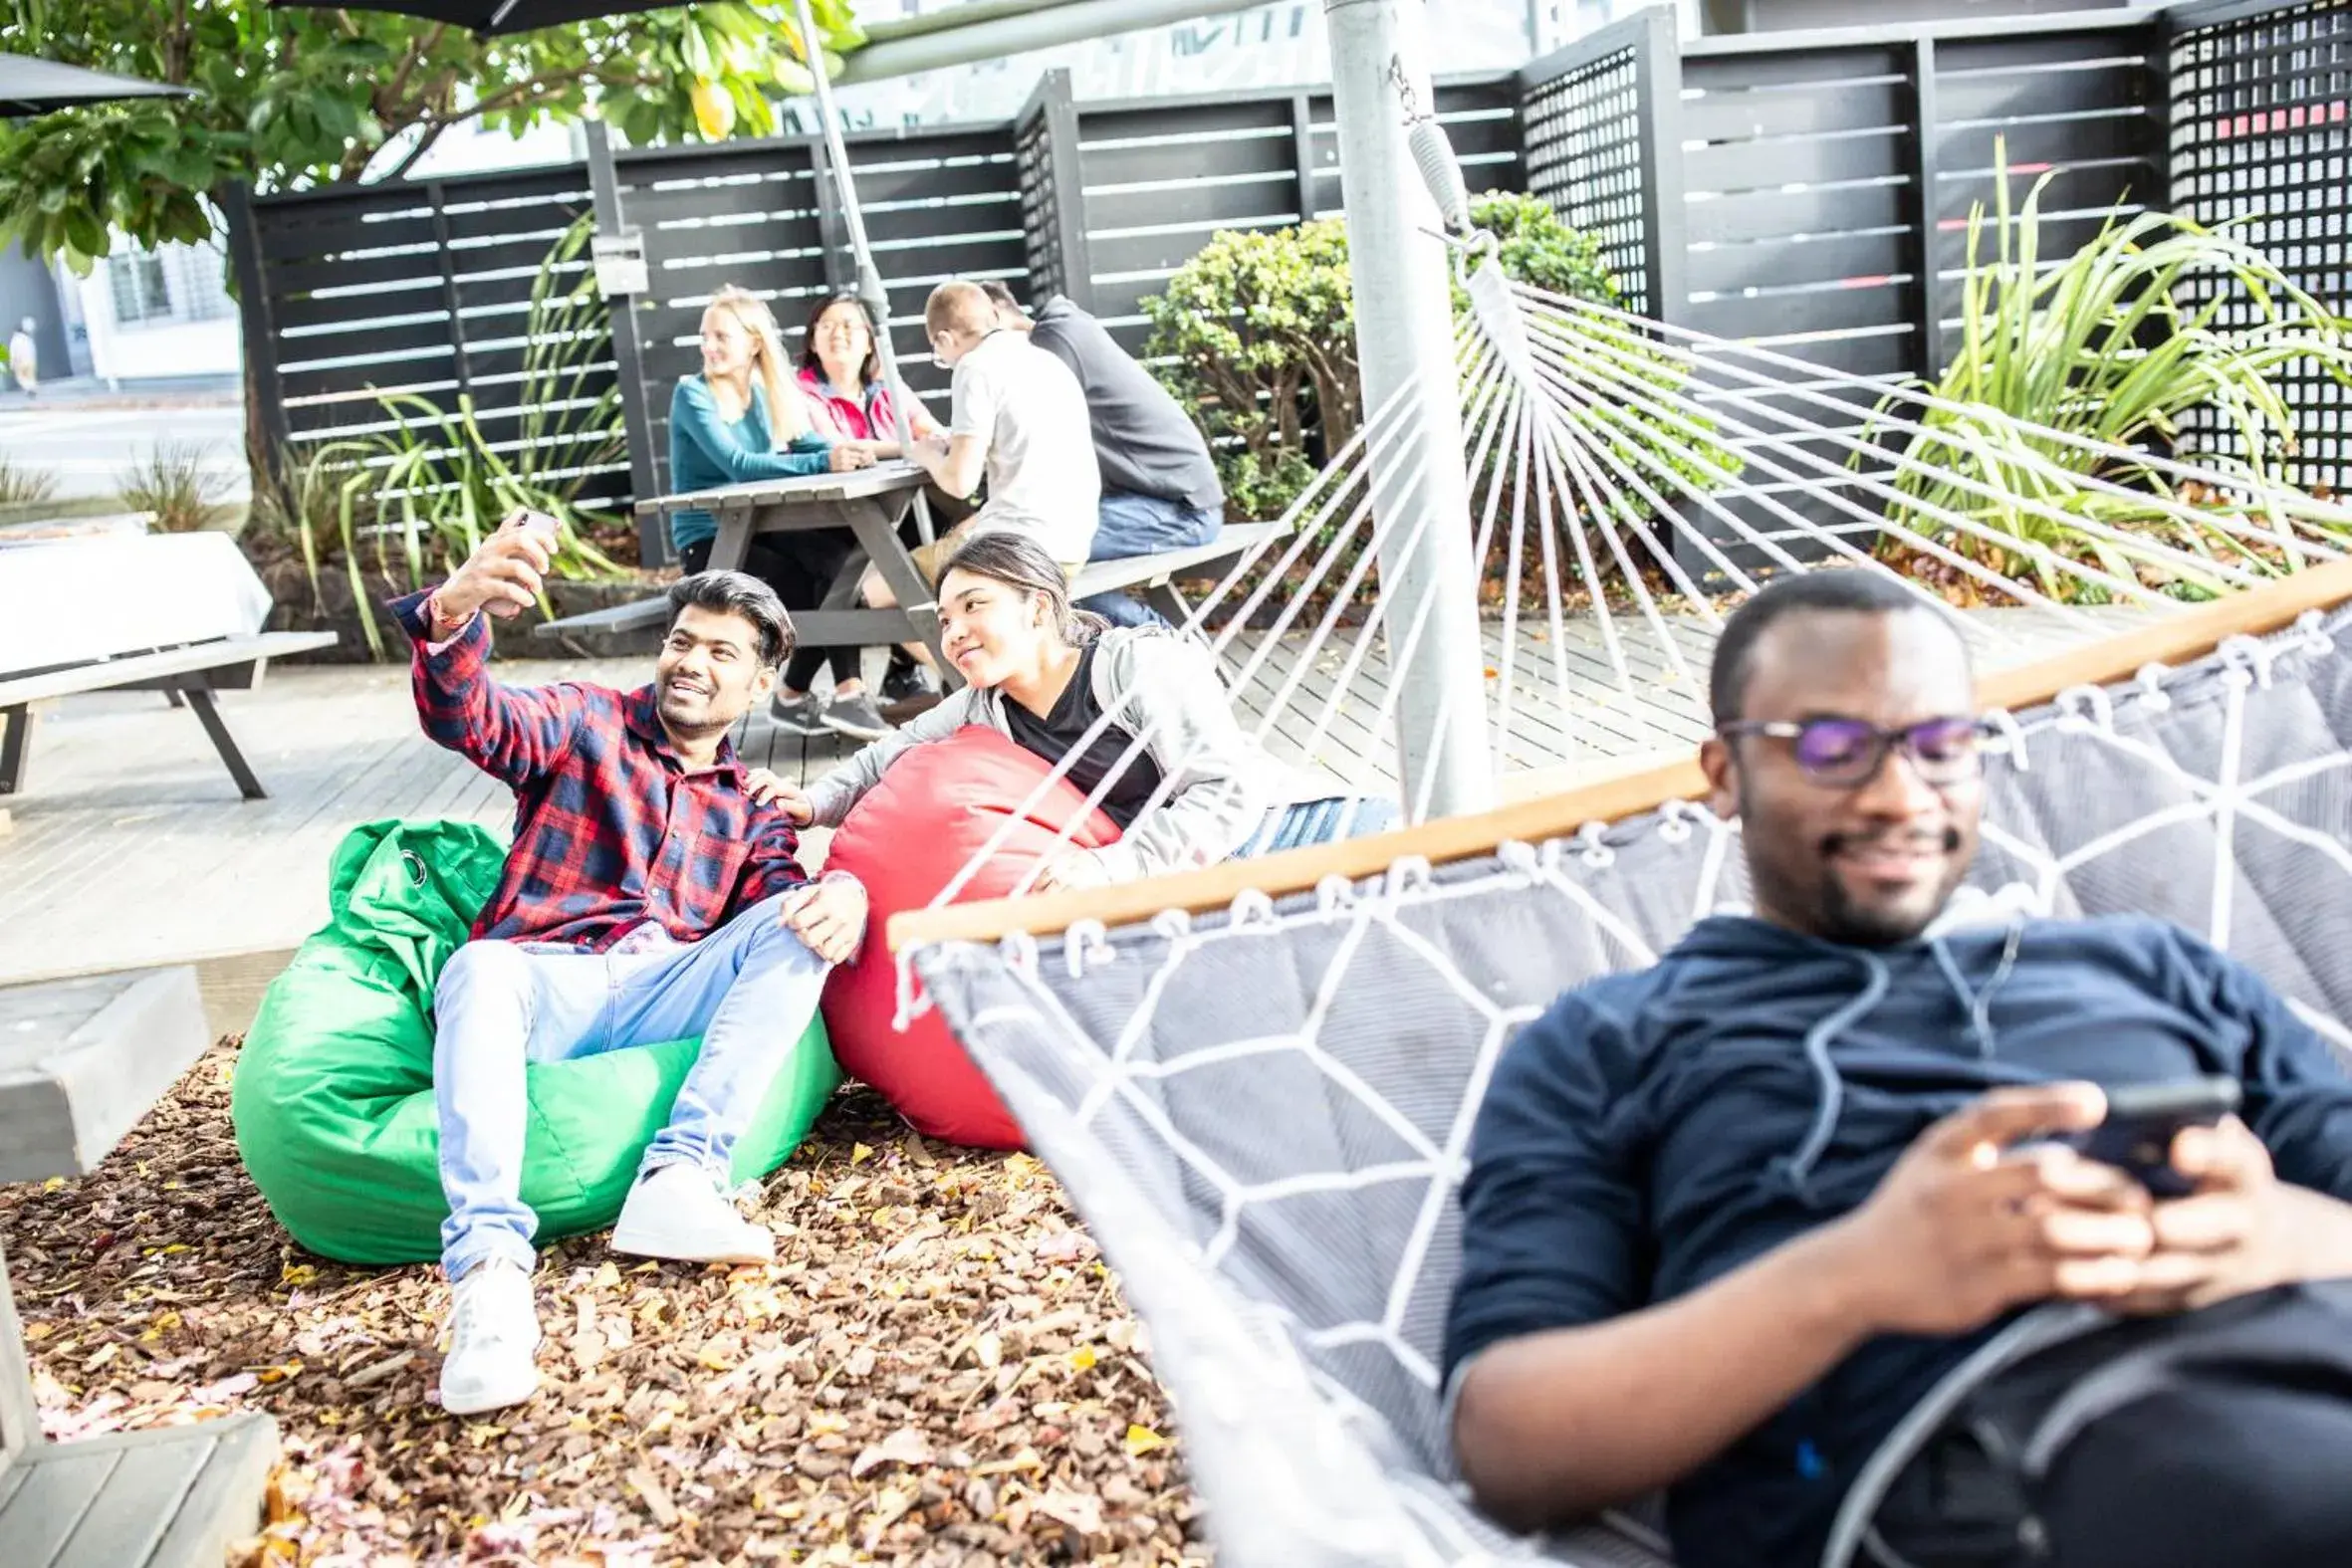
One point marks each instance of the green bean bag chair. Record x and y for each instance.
(333, 1100)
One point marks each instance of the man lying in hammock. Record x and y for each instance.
(1051, 678)
(647, 898)
(1729, 1219)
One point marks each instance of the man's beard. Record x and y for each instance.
(1843, 920)
(694, 721)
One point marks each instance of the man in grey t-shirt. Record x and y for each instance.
(1159, 485)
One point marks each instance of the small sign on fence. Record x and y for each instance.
(620, 263)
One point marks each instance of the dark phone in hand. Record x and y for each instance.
(2144, 1118)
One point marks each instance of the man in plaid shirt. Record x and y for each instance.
(647, 897)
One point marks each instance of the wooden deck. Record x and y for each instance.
(132, 848)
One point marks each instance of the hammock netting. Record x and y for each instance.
(1263, 1112)
(1627, 481)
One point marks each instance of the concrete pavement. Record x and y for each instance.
(88, 443)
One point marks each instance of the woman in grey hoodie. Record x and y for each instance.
(1140, 707)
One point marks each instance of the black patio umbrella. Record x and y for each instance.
(488, 17)
(37, 86)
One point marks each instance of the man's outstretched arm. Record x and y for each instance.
(1552, 1426)
(955, 463)
(515, 736)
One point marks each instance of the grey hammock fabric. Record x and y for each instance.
(1262, 1114)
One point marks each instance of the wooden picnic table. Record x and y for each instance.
(81, 1062)
(870, 502)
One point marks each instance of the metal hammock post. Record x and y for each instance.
(1405, 333)
(869, 277)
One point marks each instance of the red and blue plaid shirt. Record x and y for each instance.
(611, 829)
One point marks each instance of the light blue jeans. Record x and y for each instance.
(1128, 524)
(747, 989)
(1318, 823)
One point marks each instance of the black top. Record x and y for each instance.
(1659, 1128)
(1143, 442)
(1074, 714)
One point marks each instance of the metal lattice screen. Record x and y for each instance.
(2262, 129)
(1582, 137)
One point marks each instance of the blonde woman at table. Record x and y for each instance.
(742, 418)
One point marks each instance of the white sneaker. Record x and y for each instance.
(490, 1361)
(678, 1213)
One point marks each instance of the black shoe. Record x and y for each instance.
(856, 715)
(910, 684)
(801, 715)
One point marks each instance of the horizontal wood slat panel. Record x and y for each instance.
(1779, 162)
(408, 224)
(1744, 116)
(2071, 189)
(1803, 68)
(1195, 206)
(2014, 95)
(1883, 354)
(1180, 122)
(1835, 209)
(2121, 136)
(1770, 263)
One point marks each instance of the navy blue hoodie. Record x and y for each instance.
(1657, 1129)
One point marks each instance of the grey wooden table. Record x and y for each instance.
(870, 502)
(81, 1062)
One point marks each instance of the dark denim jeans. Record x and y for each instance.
(1131, 525)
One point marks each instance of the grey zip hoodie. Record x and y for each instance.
(1218, 782)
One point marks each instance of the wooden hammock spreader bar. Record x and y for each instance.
(2176, 640)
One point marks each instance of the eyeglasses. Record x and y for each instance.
(1847, 754)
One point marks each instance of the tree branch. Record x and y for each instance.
(418, 51)
(175, 47)
(429, 133)
(504, 97)
(510, 97)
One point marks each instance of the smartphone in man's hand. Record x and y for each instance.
(2142, 1121)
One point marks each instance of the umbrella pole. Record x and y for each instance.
(870, 278)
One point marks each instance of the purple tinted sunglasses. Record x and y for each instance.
(1847, 754)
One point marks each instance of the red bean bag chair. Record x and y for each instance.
(936, 808)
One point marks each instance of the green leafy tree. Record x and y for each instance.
(295, 98)
(299, 97)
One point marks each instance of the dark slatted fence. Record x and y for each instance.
(1160, 176)
(417, 287)
(1809, 196)
(2262, 129)
(1807, 193)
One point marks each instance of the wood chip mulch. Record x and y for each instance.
(938, 1370)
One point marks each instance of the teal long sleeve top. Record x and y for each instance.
(707, 450)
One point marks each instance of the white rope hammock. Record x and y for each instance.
(1589, 433)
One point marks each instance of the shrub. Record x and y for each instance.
(411, 503)
(21, 486)
(1259, 334)
(1261, 327)
(2123, 344)
(173, 483)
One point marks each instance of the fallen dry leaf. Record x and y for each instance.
(935, 1371)
(657, 1497)
(906, 1445)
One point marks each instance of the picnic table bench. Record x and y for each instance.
(81, 1062)
(178, 613)
(872, 503)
